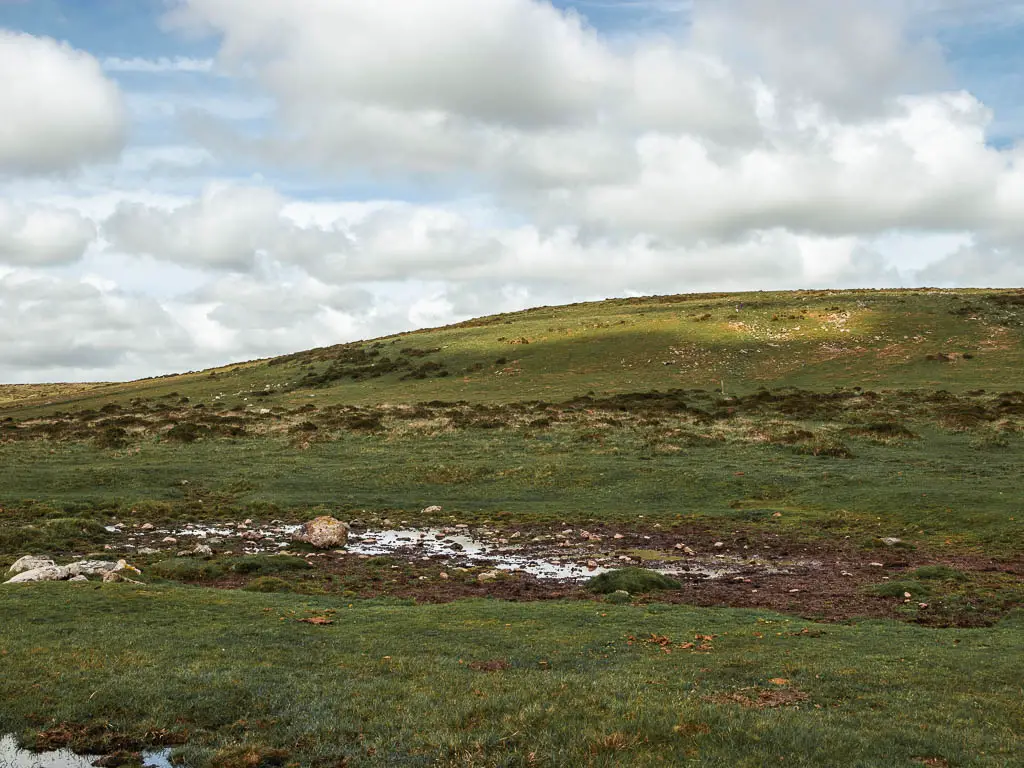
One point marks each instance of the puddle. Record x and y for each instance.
(566, 556)
(11, 756)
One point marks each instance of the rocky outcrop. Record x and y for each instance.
(77, 571)
(323, 532)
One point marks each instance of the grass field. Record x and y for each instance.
(870, 441)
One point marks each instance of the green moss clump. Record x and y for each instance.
(635, 581)
(268, 584)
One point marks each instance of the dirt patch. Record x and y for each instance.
(761, 698)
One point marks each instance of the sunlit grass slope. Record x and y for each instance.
(936, 339)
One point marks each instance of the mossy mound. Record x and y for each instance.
(635, 581)
(268, 584)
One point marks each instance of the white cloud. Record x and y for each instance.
(851, 57)
(451, 56)
(94, 334)
(42, 236)
(59, 110)
(228, 228)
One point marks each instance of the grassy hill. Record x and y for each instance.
(856, 454)
(955, 340)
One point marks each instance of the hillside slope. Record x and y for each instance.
(937, 339)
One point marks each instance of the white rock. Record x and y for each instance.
(91, 567)
(487, 576)
(46, 573)
(29, 563)
(433, 509)
(78, 578)
(147, 526)
(169, 540)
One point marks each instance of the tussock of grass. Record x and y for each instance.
(188, 569)
(939, 573)
(267, 564)
(268, 584)
(900, 589)
(636, 581)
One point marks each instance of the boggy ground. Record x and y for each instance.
(813, 577)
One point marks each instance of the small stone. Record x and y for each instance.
(618, 536)
(794, 590)
(876, 565)
(78, 578)
(169, 540)
(147, 526)
(891, 541)
(719, 544)
(591, 564)
(433, 509)
(487, 576)
(845, 573)
(443, 575)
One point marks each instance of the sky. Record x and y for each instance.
(187, 183)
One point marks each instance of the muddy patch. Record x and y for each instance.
(569, 555)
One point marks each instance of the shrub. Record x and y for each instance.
(266, 564)
(186, 569)
(186, 432)
(112, 438)
(268, 584)
(939, 573)
(636, 581)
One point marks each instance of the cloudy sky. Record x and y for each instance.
(185, 183)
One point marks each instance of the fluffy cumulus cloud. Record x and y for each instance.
(57, 328)
(42, 236)
(59, 109)
(823, 117)
(228, 228)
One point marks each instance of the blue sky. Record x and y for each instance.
(176, 168)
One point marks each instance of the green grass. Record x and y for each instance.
(575, 683)
(931, 490)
